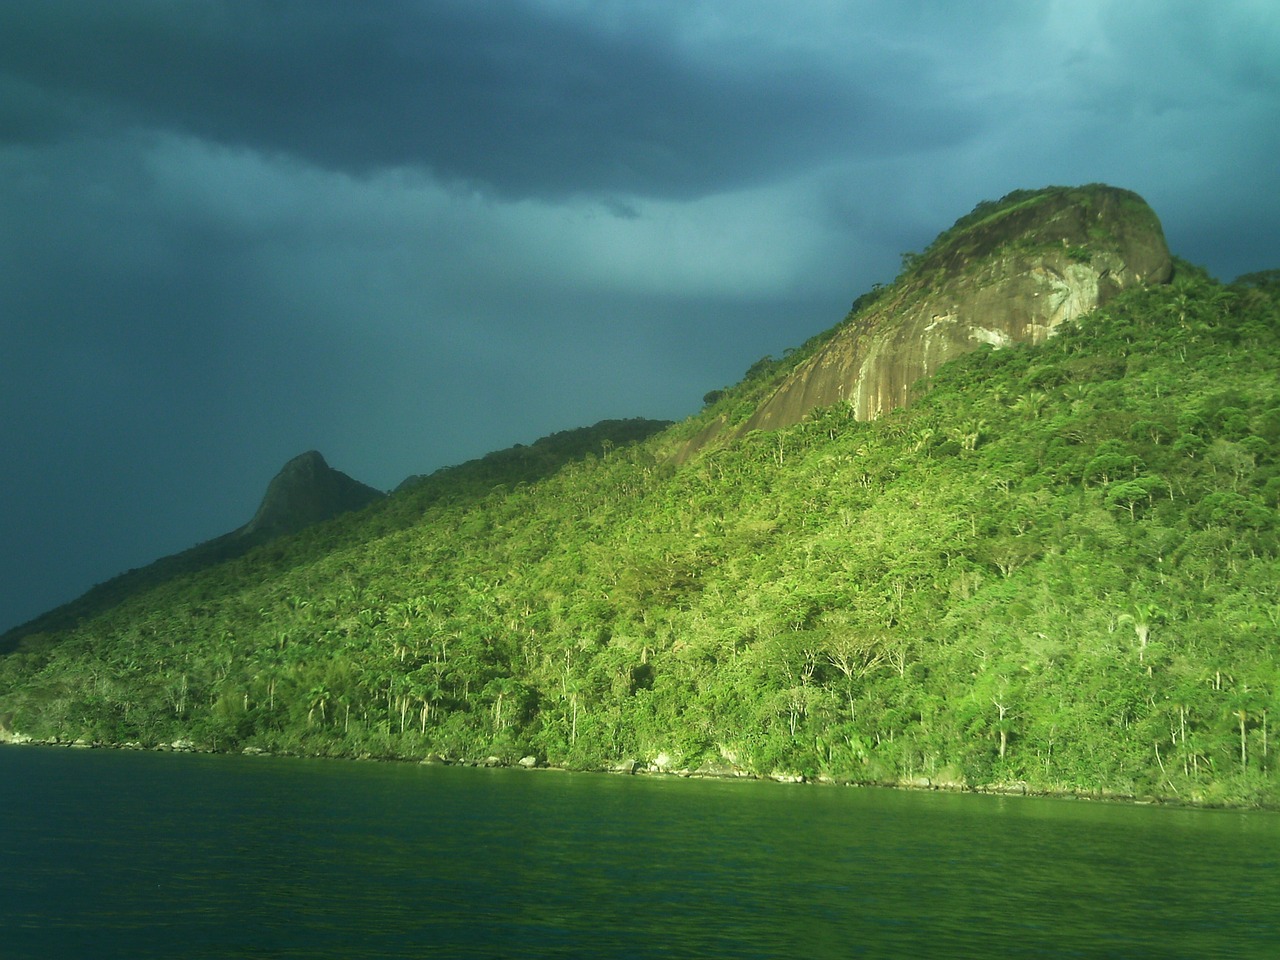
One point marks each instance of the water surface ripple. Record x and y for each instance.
(108, 854)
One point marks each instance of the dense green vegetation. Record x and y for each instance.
(1058, 567)
(475, 478)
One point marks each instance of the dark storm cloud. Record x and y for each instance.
(512, 97)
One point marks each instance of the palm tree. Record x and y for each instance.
(1031, 404)
(968, 434)
(1144, 614)
(318, 698)
(498, 688)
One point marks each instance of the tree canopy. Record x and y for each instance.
(1057, 568)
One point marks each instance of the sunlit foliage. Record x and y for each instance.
(1057, 568)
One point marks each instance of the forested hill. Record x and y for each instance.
(1056, 569)
(307, 492)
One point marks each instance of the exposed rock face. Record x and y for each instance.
(1008, 273)
(306, 491)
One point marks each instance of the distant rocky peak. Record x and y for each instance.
(306, 491)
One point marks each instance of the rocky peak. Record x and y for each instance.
(1009, 272)
(306, 491)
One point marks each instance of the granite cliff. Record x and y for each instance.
(1009, 272)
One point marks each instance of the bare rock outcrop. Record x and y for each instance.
(1009, 272)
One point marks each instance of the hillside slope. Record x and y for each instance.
(1058, 569)
(306, 491)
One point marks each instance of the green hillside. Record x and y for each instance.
(1056, 570)
(307, 491)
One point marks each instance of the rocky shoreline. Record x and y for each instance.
(662, 767)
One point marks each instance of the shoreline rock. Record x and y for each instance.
(708, 771)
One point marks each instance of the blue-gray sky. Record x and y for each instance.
(407, 233)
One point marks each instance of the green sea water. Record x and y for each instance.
(107, 854)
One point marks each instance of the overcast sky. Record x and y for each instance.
(407, 233)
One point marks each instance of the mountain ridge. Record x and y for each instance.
(306, 492)
(1055, 570)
